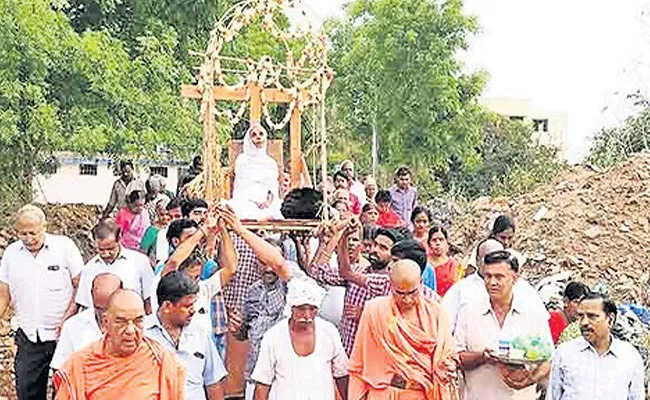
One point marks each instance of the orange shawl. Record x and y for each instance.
(91, 374)
(386, 344)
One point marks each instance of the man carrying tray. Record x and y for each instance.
(490, 319)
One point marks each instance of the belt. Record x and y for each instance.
(400, 383)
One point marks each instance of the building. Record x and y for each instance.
(74, 179)
(549, 127)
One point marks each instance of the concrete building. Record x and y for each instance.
(549, 127)
(73, 179)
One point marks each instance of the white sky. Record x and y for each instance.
(579, 57)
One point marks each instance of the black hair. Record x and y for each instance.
(410, 249)
(193, 259)
(176, 228)
(609, 307)
(435, 229)
(421, 210)
(174, 286)
(106, 228)
(501, 224)
(303, 203)
(340, 202)
(173, 203)
(189, 205)
(369, 232)
(126, 163)
(575, 291)
(342, 175)
(368, 206)
(135, 196)
(502, 256)
(403, 171)
(196, 160)
(383, 196)
(392, 234)
(405, 232)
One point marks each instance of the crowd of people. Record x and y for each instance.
(374, 306)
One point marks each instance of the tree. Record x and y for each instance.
(397, 70)
(509, 162)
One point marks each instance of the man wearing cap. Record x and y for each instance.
(292, 364)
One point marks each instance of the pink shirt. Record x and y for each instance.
(132, 227)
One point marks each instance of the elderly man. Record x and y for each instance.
(123, 363)
(356, 187)
(39, 275)
(132, 267)
(596, 366)
(85, 327)
(126, 184)
(170, 326)
(404, 348)
(302, 356)
(467, 290)
(485, 321)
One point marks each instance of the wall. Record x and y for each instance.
(67, 186)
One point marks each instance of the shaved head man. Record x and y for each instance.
(403, 332)
(123, 361)
(86, 327)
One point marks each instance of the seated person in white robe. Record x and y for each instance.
(255, 192)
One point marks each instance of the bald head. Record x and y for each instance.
(487, 247)
(104, 285)
(125, 299)
(405, 273)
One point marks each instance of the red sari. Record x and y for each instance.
(446, 275)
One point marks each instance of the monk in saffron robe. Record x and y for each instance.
(404, 348)
(123, 364)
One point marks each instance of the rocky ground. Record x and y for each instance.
(595, 224)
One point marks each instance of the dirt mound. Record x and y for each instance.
(591, 222)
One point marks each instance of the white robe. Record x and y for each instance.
(256, 174)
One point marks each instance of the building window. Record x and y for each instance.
(540, 125)
(516, 118)
(162, 171)
(88, 169)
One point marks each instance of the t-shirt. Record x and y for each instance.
(389, 219)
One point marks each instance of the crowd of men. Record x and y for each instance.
(375, 307)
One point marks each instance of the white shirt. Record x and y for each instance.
(468, 289)
(78, 332)
(41, 287)
(359, 190)
(207, 289)
(132, 267)
(580, 373)
(292, 377)
(478, 329)
(162, 246)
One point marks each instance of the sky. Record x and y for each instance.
(577, 57)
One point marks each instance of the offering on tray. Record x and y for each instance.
(528, 349)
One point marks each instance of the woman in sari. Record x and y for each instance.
(255, 192)
(133, 220)
(421, 219)
(150, 238)
(448, 269)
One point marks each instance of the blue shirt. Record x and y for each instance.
(196, 351)
(429, 277)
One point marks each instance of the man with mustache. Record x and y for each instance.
(503, 314)
(362, 283)
(596, 366)
(301, 357)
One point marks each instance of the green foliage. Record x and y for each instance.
(611, 145)
(397, 69)
(509, 162)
